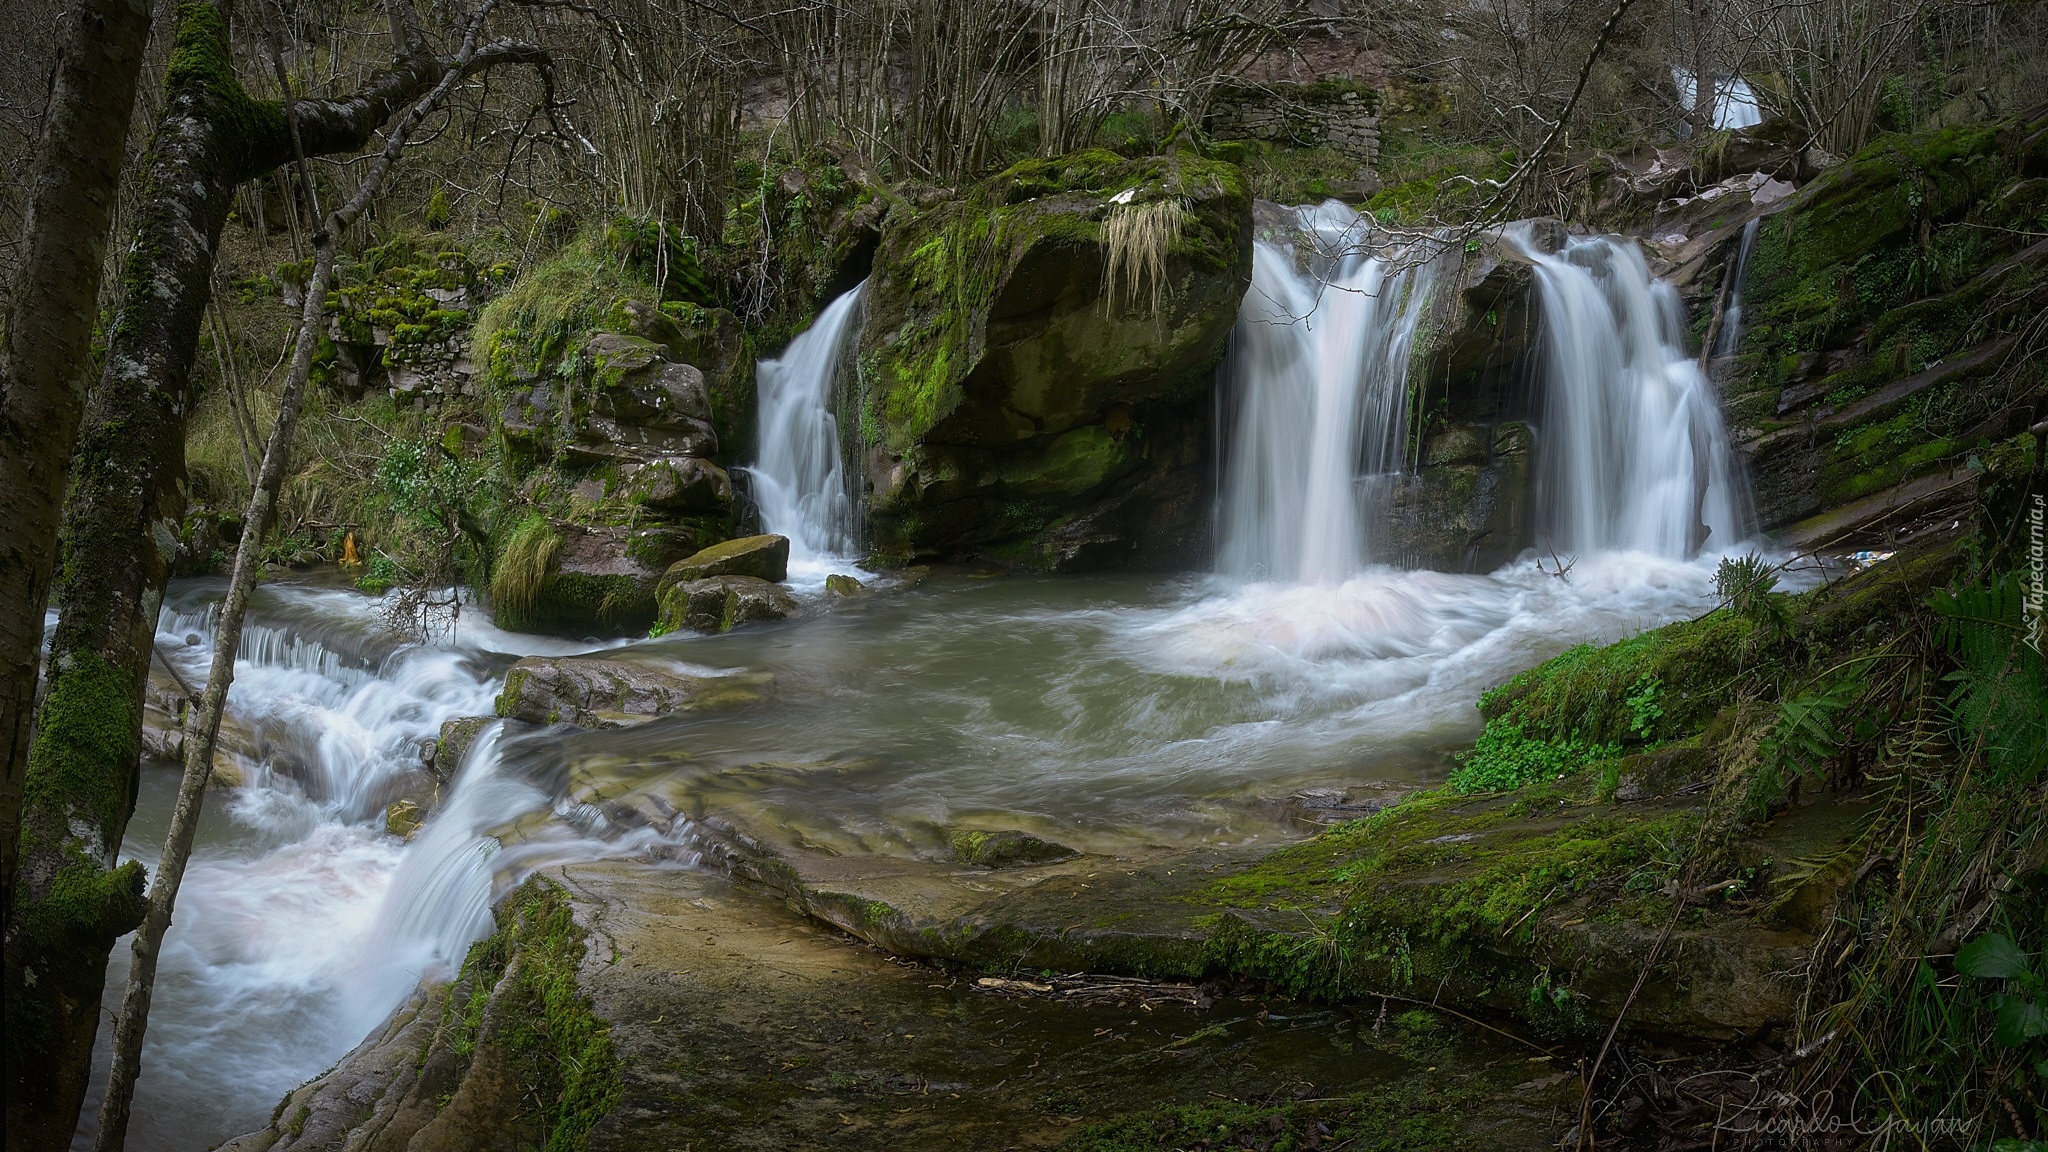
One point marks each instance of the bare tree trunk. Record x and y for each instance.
(121, 522)
(200, 737)
(44, 359)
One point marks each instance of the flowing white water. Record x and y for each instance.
(1633, 452)
(301, 924)
(1729, 338)
(1735, 103)
(1114, 713)
(800, 484)
(1317, 398)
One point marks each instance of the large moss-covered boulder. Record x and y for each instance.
(763, 557)
(1037, 361)
(679, 485)
(710, 340)
(642, 403)
(596, 692)
(553, 576)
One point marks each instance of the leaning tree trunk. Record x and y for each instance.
(204, 727)
(121, 526)
(48, 347)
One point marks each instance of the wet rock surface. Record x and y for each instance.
(735, 1024)
(722, 603)
(760, 557)
(1023, 415)
(594, 692)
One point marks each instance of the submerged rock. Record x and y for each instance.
(594, 692)
(1009, 846)
(761, 557)
(1043, 346)
(403, 817)
(722, 603)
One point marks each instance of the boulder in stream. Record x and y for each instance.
(456, 737)
(1042, 346)
(597, 692)
(722, 603)
(985, 849)
(761, 557)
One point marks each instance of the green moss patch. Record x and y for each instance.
(563, 1051)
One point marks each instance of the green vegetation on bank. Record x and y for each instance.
(523, 977)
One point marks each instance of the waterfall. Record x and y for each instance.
(1730, 335)
(1735, 105)
(1317, 398)
(1633, 451)
(800, 483)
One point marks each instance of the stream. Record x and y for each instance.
(1108, 712)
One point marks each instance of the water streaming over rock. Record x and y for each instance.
(800, 483)
(1633, 451)
(1729, 338)
(302, 923)
(1107, 711)
(1735, 103)
(1316, 397)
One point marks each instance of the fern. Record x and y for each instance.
(1746, 584)
(1999, 695)
(1802, 738)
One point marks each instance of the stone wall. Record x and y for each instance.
(1342, 117)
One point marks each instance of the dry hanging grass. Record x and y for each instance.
(1138, 237)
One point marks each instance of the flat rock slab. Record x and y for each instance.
(742, 1026)
(762, 557)
(596, 692)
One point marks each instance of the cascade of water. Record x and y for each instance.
(1730, 335)
(1634, 451)
(799, 481)
(1318, 400)
(1735, 104)
(302, 923)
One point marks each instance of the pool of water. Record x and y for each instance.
(1112, 713)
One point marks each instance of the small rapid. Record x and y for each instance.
(302, 923)
(1116, 713)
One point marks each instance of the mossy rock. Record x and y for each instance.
(722, 603)
(1006, 847)
(764, 557)
(595, 585)
(1010, 394)
(454, 741)
(681, 486)
(1878, 304)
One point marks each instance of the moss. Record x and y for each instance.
(202, 67)
(954, 257)
(1584, 693)
(996, 849)
(562, 1049)
(1436, 888)
(81, 763)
